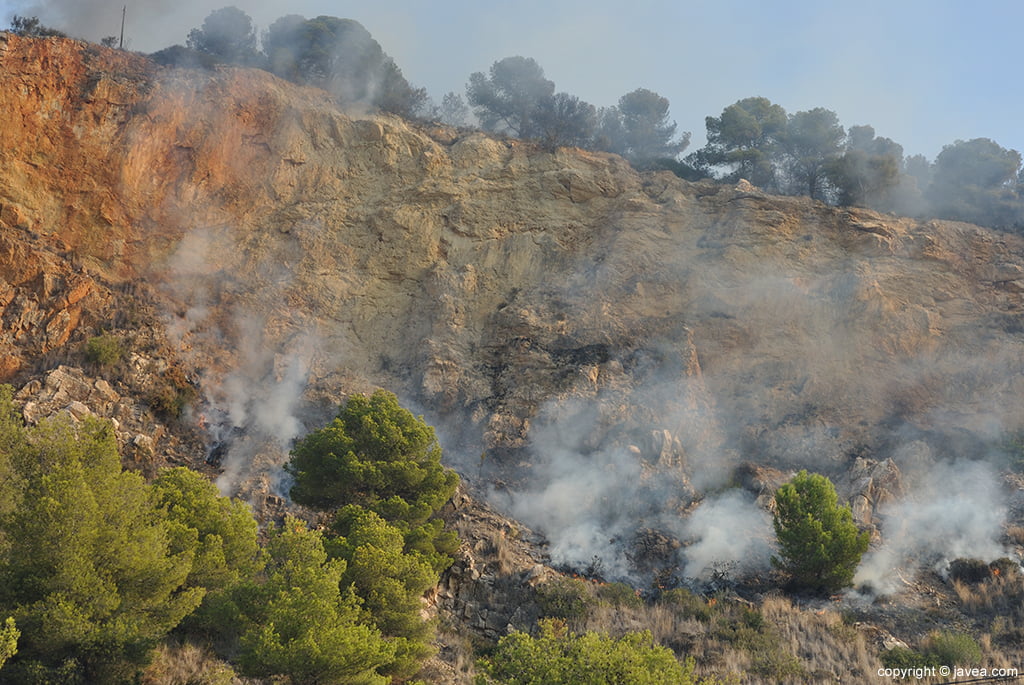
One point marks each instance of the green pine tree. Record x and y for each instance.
(819, 545)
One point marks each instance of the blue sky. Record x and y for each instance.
(924, 73)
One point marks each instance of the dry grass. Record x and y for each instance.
(997, 604)
(830, 650)
(188, 664)
(776, 642)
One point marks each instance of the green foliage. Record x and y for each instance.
(811, 143)
(819, 544)
(379, 456)
(905, 658)
(388, 580)
(976, 180)
(640, 130)
(9, 635)
(940, 648)
(510, 97)
(564, 119)
(88, 567)
(747, 629)
(687, 603)
(953, 649)
(619, 595)
(340, 56)
(31, 27)
(104, 350)
(299, 621)
(220, 533)
(868, 172)
(565, 598)
(744, 141)
(379, 468)
(557, 657)
(228, 35)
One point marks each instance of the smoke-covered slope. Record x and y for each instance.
(613, 344)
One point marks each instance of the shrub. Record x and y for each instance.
(301, 623)
(619, 594)
(8, 640)
(172, 394)
(940, 648)
(969, 570)
(819, 544)
(557, 657)
(90, 569)
(688, 604)
(104, 350)
(379, 456)
(565, 598)
(952, 649)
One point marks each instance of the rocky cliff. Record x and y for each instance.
(599, 348)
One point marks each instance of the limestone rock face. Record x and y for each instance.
(529, 302)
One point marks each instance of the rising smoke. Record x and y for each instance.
(954, 509)
(253, 380)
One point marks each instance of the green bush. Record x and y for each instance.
(559, 657)
(619, 594)
(564, 598)
(940, 648)
(105, 350)
(378, 456)
(688, 604)
(819, 545)
(953, 649)
(9, 635)
(300, 622)
(89, 568)
(905, 658)
(388, 581)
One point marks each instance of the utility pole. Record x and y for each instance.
(124, 11)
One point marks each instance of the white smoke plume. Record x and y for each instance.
(729, 531)
(253, 370)
(954, 509)
(591, 503)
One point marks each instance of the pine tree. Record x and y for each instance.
(819, 544)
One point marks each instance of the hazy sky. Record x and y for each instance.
(922, 72)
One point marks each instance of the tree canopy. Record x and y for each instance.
(819, 545)
(303, 621)
(743, 141)
(227, 34)
(977, 181)
(375, 454)
(510, 97)
(89, 569)
(639, 128)
(340, 56)
(378, 469)
(811, 142)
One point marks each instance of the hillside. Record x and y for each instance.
(625, 362)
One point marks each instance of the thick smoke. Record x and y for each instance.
(729, 532)
(590, 503)
(953, 509)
